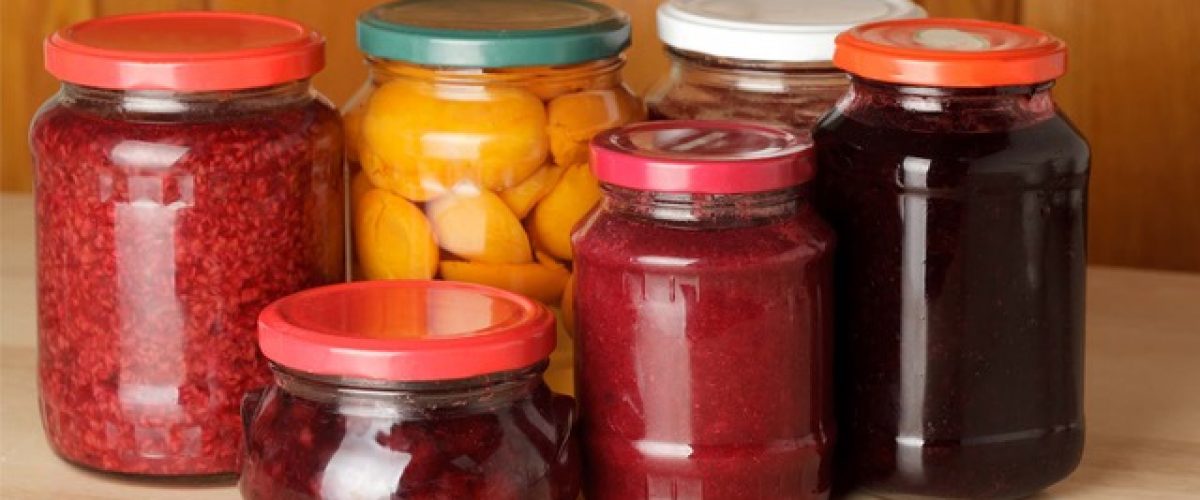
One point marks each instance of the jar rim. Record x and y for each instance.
(406, 330)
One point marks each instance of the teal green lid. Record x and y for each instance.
(493, 33)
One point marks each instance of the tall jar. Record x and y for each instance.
(703, 316)
(959, 194)
(409, 389)
(180, 187)
(468, 144)
(762, 60)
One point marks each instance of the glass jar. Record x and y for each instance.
(179, 189)
(703, 316)
(959, 194)
(762, 60)
(470, 165)
(409, 389)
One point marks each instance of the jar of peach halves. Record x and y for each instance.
(468, 143)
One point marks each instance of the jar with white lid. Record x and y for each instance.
(764, 60)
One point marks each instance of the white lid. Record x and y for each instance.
(770, 30)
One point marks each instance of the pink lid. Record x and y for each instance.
(700, 156)
(185, 51)
(406, 330)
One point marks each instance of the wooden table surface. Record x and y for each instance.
(1143, 389)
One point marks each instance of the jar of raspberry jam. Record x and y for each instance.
(702, 307)
(959, 194)
(763, 60)
(186, 175)
(409, 389)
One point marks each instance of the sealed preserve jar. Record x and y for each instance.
(703, 316)
(409, 389)
(468, 144)
(959, 194)
(763, 60)
(185, 176)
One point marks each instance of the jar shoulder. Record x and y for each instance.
(608, 237)
(67, 135)
(1047, 152)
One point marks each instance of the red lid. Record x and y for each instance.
(702, 156)
(951, 53)
(185, 51)
(406, 330)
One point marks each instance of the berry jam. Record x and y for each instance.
(703, 354)
(498, 437)
(960, 215)
(165, 223)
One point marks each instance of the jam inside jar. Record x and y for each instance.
(409, 390)
(960, 207)
(702, 316)
(180, 188)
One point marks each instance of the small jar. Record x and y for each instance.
(703, 316)
(468, 143)
(180, 188)
(409, 389)
(959, 194)
(762, 60)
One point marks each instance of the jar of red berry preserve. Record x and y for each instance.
(186, 175)
(703, 316)
(764, 60)
(409, 389)
(959, 194)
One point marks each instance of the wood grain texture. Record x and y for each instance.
(994, 10)
(1141, 402)
(113, 7)
(24, 86)
(1134, 91)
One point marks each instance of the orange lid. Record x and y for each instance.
(941, 52)
(184, 51)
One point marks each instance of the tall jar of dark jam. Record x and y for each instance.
(409, 389)
(703, 316)
(959, 194)
(762, 60)
(186, 175)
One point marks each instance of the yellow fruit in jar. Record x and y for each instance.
(429, 137)
(532, 280)
(353, 125)
(556, 215)
(478, 226)
(575, 118)
(392, 237)
(406, 180)
(522, 197)
(560, 375)
(359, 185)
(568, 305)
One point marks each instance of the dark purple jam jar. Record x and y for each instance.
(959, 194)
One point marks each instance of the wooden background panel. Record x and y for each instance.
(1134, 91)
(1130, 90)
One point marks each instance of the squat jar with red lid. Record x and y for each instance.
(959, 194)
(409, 389)
(186, 175)
(702, 301)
